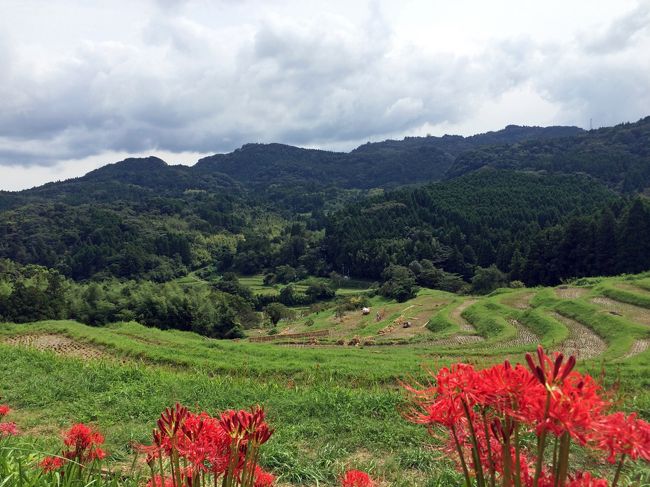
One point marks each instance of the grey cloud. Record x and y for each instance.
(621, 32)
(188, 87)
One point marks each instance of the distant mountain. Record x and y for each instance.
(133, 178)
(618, 156)
(384, 164)
(387, 164)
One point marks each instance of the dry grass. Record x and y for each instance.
(566, 292)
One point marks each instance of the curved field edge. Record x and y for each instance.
(441, 323)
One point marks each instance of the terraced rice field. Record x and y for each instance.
(583, 342)
(330, 382)
(59, 344)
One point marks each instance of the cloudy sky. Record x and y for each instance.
(86, 83)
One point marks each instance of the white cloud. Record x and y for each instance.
(86, 82)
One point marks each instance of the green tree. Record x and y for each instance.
(399, 283)
(487, 279)
(277, 312)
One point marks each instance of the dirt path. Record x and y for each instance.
(59, 344)
(566, 292)
(582, 341)
(639, 346)
(455, 315)
(634, 313)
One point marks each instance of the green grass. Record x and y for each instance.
(627, 296)
(441, 323)
(551, 330)
(489, 324)
(333, 407)
(618, 332)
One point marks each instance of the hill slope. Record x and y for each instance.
(618, 156)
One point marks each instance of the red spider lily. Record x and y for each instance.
(620, 435)
(52, 464)
(84, 443)
(204, 443)
(171, 420)
(442, 403)
(443, 411)
(4, 410)
(262, 478)
(504, 387)
(573, 407)
(584, 479)
(550, 371)
(246, 426)
(486, 411)
(356, 478)
(218, 447)
(8, 429)
(82, 437)
(158, 481)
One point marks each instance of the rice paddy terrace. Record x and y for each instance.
(330, 380)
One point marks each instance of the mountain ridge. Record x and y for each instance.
(370, 165)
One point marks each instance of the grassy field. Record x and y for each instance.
(334, 399)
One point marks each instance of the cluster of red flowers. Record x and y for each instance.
(485, 413)
(82, 447)
(7, 428)
(224, 447)
(356, 478)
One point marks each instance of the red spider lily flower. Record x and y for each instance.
(621, 435)
(171, 420)
(96, 454)
(204, 443)
(9, 429)
(51, 464)
(504, 387)
(444, 411)
(84, 443)
(262, 478)
(356, 478)
(158, 481)
(550, 371)
(545, 480)
(574, 404)
(584, 479)
(246, 426)
(81, 437)
(442, 403)
(4, 410)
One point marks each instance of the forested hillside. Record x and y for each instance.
(618, 156)
(529, 204)
(538, 228)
